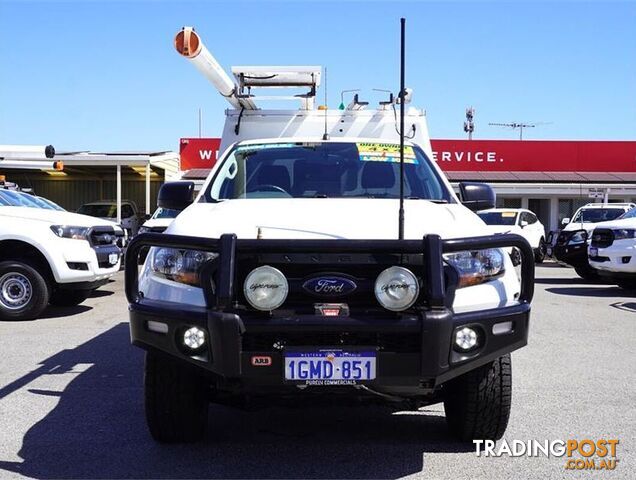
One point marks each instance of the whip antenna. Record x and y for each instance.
(401, 97)
(326, 134)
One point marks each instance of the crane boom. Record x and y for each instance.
(32, 164)
(188, 43)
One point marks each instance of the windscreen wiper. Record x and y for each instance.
(432, 200)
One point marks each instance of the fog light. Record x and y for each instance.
(158, 327)
(194, 338)
(502, 328)
(466, 338)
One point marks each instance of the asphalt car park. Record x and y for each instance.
(71, 403)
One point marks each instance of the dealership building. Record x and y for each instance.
(551, 178)
(98, 176)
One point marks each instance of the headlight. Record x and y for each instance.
(624, 233)
(396, 288)
(476, 267)
(578, 238)
(66, 231)
(181, 266)
(266, 288)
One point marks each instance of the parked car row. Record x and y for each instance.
(571, 244)
(598, 242)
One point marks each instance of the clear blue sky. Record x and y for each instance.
(104, 76)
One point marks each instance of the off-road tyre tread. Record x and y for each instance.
(175, 401)
(477, 404)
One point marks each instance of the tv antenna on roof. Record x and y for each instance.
(519, 125)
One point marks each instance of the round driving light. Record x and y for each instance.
(194, 338)
(266, 288)
(396, 288)
(466, 338)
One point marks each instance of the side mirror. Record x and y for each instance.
(565, 221)
(523, 223)
(477, 196)
(147, 217)
(176, 195)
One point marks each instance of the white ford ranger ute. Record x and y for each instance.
(572, 242)
(282, 281)
(50, 256)
(612, 252)
(294, 274)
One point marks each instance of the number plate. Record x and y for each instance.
(593, 252)
(330, 366)
(113, 258)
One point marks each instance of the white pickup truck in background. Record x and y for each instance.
(612, 252)
(50, 256)
(131, 218)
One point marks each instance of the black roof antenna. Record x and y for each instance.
(326, 134)
(401, 96)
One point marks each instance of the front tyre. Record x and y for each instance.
(539, 253)
(587, 273)
(175, 399)
(477, 404)
(24, 292)
(515, 256)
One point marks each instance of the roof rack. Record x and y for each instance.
(279, 77)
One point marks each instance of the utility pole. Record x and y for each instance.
(469, 125)
(519, 125)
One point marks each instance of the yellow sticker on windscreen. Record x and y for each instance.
(508, 214)
(384, 152)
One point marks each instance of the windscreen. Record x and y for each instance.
(165, 213)
(629, 214)
(498, 218)
(100, 210)
(50, 204)
(18, 199)
(595, 215)
(325, 170)
(4, 201)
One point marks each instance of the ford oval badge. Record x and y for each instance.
(329, 286)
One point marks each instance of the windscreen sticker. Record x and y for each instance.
(385, 152)
(264, 146)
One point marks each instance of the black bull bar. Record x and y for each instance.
(227, 246)
(227, 327)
